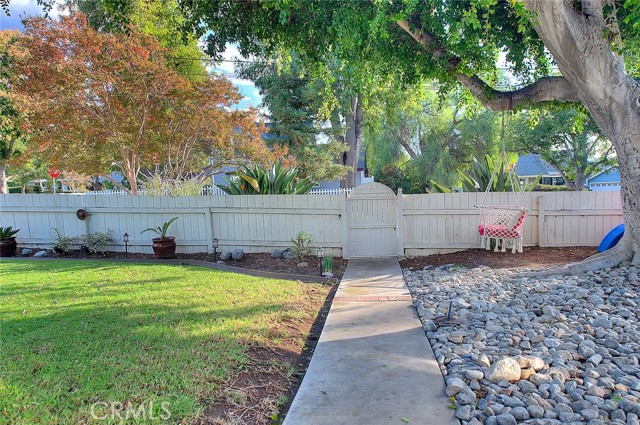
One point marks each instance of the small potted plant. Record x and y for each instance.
(163, 246)
(8, 244)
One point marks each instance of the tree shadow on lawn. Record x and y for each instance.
(65, 361)
(58, 364)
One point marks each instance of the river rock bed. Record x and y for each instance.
(534, 349)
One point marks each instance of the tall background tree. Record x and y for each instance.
(591, 41)
(161, 19)
(97, 100)
(296, 111)
(12, 138)
(565, 137)
(415, 136)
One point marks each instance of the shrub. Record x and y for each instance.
(301, 245)
(157, 186)
(94, 242)
(62, 243)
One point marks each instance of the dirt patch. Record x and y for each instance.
(532, 257)
(261, 261)
(263, 389)
(265, 262)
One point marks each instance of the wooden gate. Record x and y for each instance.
(371, 222)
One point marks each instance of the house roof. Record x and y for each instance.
(612, 171)
(531, 165)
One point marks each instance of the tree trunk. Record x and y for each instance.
(353, 138)
(584, 58)
(4, 188)
(581, 179)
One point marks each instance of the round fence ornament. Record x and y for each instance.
(82, 214)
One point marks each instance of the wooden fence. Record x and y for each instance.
(427, 224)
(439, 223)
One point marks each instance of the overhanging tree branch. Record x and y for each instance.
(546, 89)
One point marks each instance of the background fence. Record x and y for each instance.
(213, 191)
(434, 223)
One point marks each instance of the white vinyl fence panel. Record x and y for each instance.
(253, 223)
(426, 224)
(438, 223)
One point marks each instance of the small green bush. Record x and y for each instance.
(302, 245)
(550, 188)
(94, 242)
(62, 243)
(328, 263)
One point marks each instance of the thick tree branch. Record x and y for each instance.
(547, 89)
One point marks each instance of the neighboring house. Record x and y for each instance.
(531, 166)
(221, 178)
(362, 174)
(608, 179)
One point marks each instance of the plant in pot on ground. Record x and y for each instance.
(8, 244)
(163, 246)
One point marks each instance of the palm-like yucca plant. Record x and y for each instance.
(479, 176)
(276, 180)
(161, 231)
(8, 232)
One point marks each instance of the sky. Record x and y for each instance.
(251, 97)
(18, 10)
(250, 92)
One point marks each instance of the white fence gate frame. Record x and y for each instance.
(370, 220)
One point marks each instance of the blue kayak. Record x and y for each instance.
(612, 238)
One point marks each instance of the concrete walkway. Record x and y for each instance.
(373, 364)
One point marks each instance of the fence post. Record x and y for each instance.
(345, 227)
(208, 225)
(542, 234)
(400, 223)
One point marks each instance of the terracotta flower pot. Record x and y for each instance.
(164, 247)
(8, 247)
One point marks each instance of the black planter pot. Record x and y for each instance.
(8, 247)
(164, 247)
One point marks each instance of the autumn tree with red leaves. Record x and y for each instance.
(96, 102)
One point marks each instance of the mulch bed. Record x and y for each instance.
(261, 261)
(533, 257)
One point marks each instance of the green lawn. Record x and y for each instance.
(77, 334)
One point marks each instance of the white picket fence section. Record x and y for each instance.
(427, 224)
(214, 191)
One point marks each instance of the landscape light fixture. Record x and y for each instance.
(125, 239)
(215, 248)
(320, 255)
